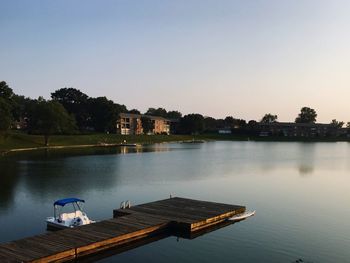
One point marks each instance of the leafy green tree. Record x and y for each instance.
(50, 117)
(103, 114)
(157, 112)
(75, 102)
(120, 108)
(174, 115)
(306, 115)
(338, 124)
(231, 122)
(5, 116)
(134, 111)
(147, 125)
(191, 124)
(269, 118)
(5, 91)
(210, 124)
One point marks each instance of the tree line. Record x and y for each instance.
(70, 111)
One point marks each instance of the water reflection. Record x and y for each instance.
(306, 158)
(8, 181)
(51, 174)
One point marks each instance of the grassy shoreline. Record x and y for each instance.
(17, 141)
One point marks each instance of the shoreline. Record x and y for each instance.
(20, 142)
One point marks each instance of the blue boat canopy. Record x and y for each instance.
(65, 201)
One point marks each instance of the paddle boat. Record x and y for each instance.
(242, 216)
(62, 220)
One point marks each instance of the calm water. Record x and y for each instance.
(301, 192)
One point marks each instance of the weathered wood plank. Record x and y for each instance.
(132, 224)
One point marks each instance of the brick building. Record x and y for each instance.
(131, 124)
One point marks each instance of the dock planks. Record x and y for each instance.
(174, 215)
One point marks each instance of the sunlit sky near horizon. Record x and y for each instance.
(217, 58)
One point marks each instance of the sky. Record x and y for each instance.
(218, 58)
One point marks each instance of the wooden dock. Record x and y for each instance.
(177, 216)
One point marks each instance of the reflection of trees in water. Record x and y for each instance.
(51, 174)
(306, 160)
(70, 176)
(8, 182)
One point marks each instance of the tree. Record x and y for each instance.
(50, 117)
(134, 111)
(209, 124)
(348, 125)
(191, 124)
(231, 122)
(147, 125)
(5, 91)
(269, 118)
(157, 112)
(338, 124)
(174, 115)
(103, 114)
(5, 116)
(75, 102)
(306, 115)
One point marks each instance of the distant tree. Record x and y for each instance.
(5, 91)
(75, 102)
(5, 116)
(252, 127)
(120, 108)
(229, 121)
(209, 124)
(306, 115)
(157, 112)
(134, 111)
(338, 124)
(147, 125)
(348, 125)
(234, 123)
(19, 106)
(174, 114)
(50, 117)
(103, 114)
(220, 123)
(191, 124)
(269, 118)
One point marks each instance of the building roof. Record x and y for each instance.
(294, 124)
(133, 115)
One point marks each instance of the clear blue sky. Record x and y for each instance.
(240, 58)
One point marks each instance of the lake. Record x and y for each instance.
(300, 192)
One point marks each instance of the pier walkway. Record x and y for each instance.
(174, 215)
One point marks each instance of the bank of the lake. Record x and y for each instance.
(19, 141)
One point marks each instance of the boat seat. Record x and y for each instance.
(67, 216)
(78, 213)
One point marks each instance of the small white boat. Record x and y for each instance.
(242, 216)
(68, 220)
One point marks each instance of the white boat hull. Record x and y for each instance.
(70, 222)
(242, 216)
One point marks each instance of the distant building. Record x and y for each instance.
(131, 124)
(291, 129)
